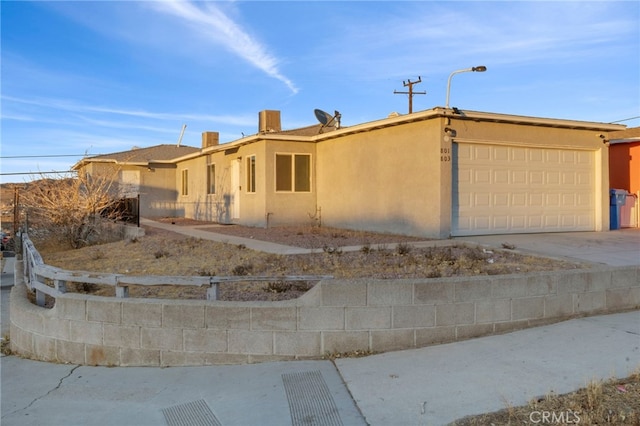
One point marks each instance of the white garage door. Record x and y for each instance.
(509, 189)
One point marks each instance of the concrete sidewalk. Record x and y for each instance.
(439, 384)
(429, 386)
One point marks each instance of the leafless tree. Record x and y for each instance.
(72, 207)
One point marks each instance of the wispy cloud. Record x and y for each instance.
(67, 105)
(436, 37)
(209, 21)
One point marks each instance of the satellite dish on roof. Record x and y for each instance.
(327, 119)
(323, 117)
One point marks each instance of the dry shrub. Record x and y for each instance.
(609, 402)
(193, 256)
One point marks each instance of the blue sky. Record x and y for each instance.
(89, 77)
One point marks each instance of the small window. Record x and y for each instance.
(185, 182)
(283, 172)
(251, 173)
(211, 178)
(293, 172)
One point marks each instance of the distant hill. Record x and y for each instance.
(7, 191)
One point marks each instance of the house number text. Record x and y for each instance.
(445, 154)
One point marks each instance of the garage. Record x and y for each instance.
(507, 189)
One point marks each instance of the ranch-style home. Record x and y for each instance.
(436, 173)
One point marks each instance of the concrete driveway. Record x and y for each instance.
(614, 248)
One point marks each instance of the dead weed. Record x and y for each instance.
(162, 252)
(610, 402)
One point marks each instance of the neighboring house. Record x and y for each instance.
(624, 160)
(434, 173)
(624, 171)
(146, 172)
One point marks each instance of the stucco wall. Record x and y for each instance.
(385, 179)
(335, 316)
(157, 191)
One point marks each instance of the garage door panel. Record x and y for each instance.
(536, 156)
(535, 223)
(501, 177)
(517, 154)
(501, 199)
(501, 154)
(568, 178)
(536, 177)
(552, 157)
(481, 152)
(519, 177)
(552, 177)
(503, 189)
(519, 199)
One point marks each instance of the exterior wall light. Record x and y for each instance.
(480, 68)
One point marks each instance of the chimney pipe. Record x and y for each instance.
(210, 139)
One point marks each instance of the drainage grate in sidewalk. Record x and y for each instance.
(310, 401)
(195, 413)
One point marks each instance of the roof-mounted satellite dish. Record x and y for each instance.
(327, 119)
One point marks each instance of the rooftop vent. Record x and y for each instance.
(210, 139)
(269, 121)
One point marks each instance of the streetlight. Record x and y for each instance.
(480, 68)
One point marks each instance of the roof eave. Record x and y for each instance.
(624, 140)
(534, 121)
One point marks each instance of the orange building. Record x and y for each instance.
(624, 170)
(624, 160)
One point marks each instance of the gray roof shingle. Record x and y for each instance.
(145, 155)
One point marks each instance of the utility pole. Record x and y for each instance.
(16, 211)
(410, 84)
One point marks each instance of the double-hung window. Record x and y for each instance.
(211, 177)
(293, 172)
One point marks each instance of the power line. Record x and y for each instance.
(626, 119)
(36, 173)
(44, 156)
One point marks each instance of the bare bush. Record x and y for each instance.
(73, 208)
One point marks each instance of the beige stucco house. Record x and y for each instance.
(435, 173)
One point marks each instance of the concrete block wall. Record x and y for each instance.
(335, 316)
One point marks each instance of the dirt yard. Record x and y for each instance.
(615, 402)
(162, 252)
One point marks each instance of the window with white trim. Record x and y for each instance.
(211, 177)
(251, 173)
(293, 172)
(185, 182)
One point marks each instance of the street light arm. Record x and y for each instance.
(449, 82)
(480, 68)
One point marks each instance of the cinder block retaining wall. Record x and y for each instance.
(335, 316)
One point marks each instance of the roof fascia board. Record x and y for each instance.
(625, 140)
(379, 124)
(535, 121)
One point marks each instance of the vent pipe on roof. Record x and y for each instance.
(184, 126)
